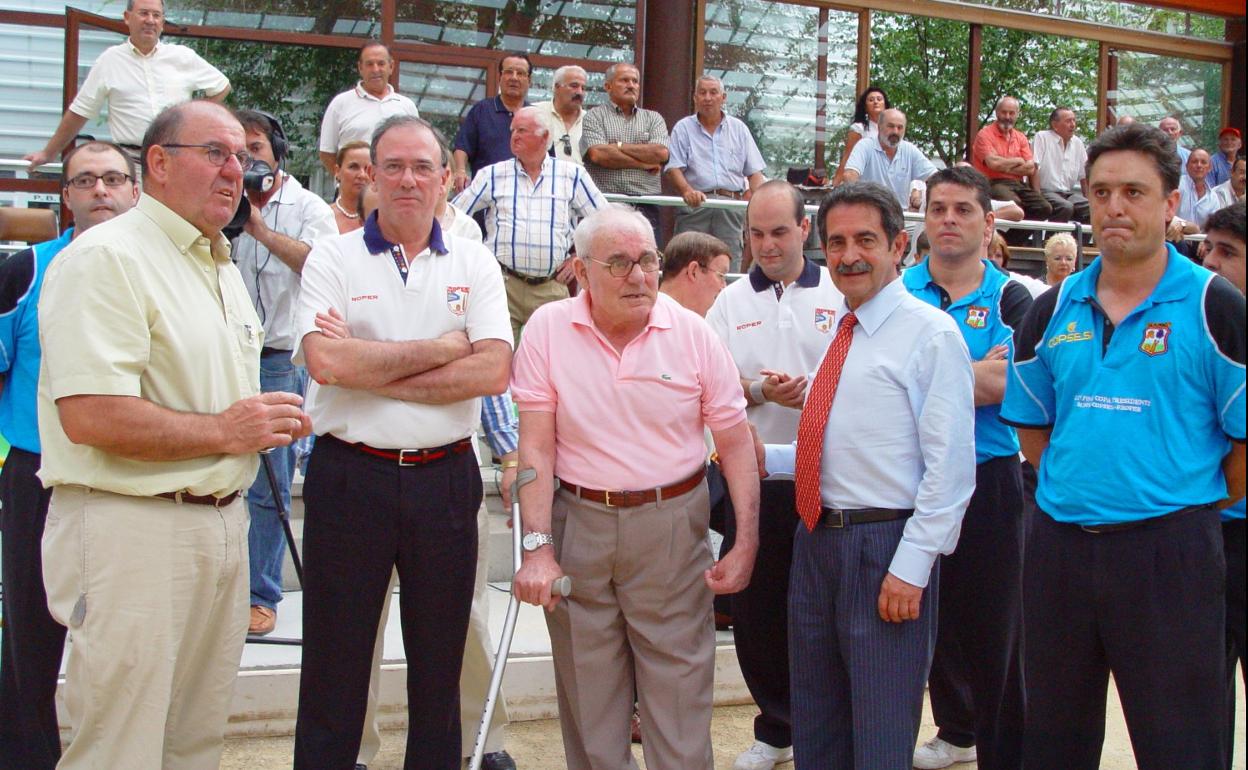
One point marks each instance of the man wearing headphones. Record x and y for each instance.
(285, 220)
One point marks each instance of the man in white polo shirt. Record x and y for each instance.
(353, 114)
(777, 325)
(136, 79)
(1060, 162)
(403, 329)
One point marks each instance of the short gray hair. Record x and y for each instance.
(566, 70)
(614, 68)
(399, 121)
(530, 110)
(708, 78)
(623, 217)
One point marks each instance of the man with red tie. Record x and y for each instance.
(884, 465)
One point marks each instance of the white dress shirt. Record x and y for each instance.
(1193, 207)
(1060, 165)
(901, 430)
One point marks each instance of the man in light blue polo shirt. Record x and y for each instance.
(1127, 389)
(891, 160)
(975, 682)
(713, 155)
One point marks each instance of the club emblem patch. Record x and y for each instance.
(1156, 339)
(823, 318)
(976, 317)
(457, 299)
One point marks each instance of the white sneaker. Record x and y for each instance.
(936, 754)
(762, 756)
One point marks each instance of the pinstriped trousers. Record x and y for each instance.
(856, 681)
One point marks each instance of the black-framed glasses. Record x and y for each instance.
(86, 180)
(217, 155)
(567, 144)
(622, 267)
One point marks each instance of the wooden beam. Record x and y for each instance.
(1102, 89)
(821, 92)
(864, 49)
(974, 53)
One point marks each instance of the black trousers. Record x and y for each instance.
(1145, 604)
(760, 614)
(976, 680)
(1236, 620)
(30, 655)
(363, 517)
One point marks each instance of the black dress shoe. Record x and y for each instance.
(498, 760)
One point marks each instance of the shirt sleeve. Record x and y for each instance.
(658, 129)
(318, 221)
(203, 76)
(858, 157)
(678, 147)
(943, 387)
(487, 308)
(17, 278)
(329, 128)
(1025, 150)
(94, 91)
(981, 148)
(1030, 400)
(586, 197)
(499, 420)
(1224, 320)
(723, 402)
(1015, 301)
(531, 385)
(322, 285)
(754, 162)
(466, 138)
(473, 198)
(592, 130)
(93, 324)
(923, 166)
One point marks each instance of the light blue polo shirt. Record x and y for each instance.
(1140, 413)
(907, 165)
(986, 317)
(21, 280)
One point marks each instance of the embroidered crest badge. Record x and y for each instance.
(457, 299)
(1156, 339)
(823, 318)
(976, 316)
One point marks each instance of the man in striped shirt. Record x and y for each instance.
(532, 204)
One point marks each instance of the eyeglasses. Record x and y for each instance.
(421, 170)
(722, 275)
(217, 155)
(515, 72)
(567, 143)
(86, 180)
(622, 267)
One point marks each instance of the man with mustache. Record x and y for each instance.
(136, 79)
(1127, 391)
(353, 114)
(1060, 161)
(713, 155)
(883, 466)
(891, 161)
(150, 418)
(1002, 153)
(564, 116)
(624, 145)
(97, 184)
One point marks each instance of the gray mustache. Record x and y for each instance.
(854, 269)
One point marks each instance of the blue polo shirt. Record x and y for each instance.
(485, 134)
(987, 317)
(21, 280)
(1141, 412)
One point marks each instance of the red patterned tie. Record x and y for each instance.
(814, 418)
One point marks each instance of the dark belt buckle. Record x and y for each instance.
(410, 457)
(828, 521)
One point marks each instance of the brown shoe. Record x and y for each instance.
(263, 620)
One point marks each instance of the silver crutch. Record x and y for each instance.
(561, 587)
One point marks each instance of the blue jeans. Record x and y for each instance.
(266, 538)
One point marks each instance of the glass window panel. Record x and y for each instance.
(360, 18)
(443, 93)
(601, 30)
(102, 7)
(31, 64)
(767, 55)
(1117, 13)
(1151, 87)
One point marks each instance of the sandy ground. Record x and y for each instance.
(537, 745)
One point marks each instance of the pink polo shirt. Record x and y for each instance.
(632, 420)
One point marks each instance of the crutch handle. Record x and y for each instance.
(561, 586)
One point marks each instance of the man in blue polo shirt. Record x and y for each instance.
(975, 682)
(484, 137)
(97, 184)
(1127, 387)
(891, 160)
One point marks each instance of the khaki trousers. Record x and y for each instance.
(640, 611)
(523, 299)
(155, 595)
(474, 678)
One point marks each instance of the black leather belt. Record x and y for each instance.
(632, 499)
(1124, 526)
(736, 195)
(186, 497)
(274, 352)
(531, 280)
(839, 518)
(409, 457)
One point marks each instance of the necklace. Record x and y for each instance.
(345, 213)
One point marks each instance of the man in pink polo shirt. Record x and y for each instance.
(615, 387)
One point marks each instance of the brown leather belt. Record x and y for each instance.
(532, 280)
(186, 497)
(838, 518)
(736, 195)
(632, 499)
(409, 457)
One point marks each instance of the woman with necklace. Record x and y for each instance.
(351, 172)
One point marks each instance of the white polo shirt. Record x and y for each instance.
(454, 284)
(138, 86)
(789, 334)
(352, 115)
(273, 287)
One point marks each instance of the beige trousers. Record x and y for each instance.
(523, 299)
(155, 596)
(474, 678)
(640, 610)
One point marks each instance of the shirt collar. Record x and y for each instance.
(363, 94)
(135, 50)
(660, 314)
(57, 243)
(184, 235)
(920, 277)
(1174, 284)
(874, 312)
(376, 243)
(808, 279)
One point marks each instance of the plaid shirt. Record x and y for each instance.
(528, 225)
(606, 124)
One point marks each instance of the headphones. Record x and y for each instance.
(277, 137)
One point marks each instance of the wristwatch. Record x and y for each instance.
(534, 540)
